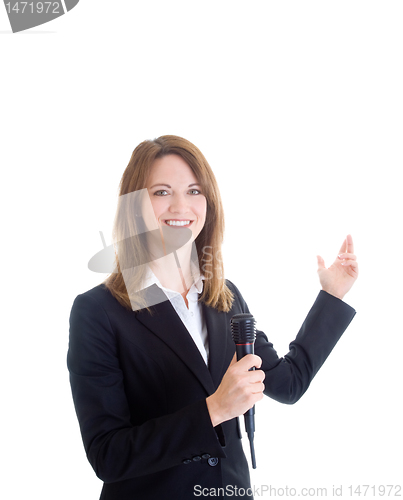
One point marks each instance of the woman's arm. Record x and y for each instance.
(116, 449)
(287, 378)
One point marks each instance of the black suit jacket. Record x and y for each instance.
(140, 385)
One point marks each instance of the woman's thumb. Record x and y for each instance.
(321, 262)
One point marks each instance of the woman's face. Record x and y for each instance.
(176, 195)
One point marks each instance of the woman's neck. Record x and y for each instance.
(174, 271)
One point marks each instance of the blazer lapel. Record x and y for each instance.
(221, 350)
(166, 324)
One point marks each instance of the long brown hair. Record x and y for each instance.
(208, 243)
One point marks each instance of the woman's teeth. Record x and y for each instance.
(178, 222)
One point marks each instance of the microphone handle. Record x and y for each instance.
(244, 349)
(241, 351)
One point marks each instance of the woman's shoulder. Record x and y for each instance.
(231, 286)
(234, 289)
(97, 307)
(98, 297)
(239, 301)
(99, 294)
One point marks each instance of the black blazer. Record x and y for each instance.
(140, 385)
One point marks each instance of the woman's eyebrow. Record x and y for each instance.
(168, 186)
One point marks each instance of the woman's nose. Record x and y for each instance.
(178, 204)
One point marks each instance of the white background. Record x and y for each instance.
(298, 108)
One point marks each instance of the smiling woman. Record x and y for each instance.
(170, 168)
(155, 382)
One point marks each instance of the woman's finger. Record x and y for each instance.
(351, 263)
(258, 387)
(349, 256)
(343, 247)
(350, 244)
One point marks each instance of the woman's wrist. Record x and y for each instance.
(213, 410)
(333, 292)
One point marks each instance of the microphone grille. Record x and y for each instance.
(243, 328)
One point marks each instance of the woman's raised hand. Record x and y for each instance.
(341, 275)
(239, 390)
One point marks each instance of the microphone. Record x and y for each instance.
(244, 335)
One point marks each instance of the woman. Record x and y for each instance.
(155, 383)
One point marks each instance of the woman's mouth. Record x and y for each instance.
(178, 222)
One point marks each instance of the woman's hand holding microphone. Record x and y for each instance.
(239, 390)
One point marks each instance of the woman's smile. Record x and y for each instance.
(178, 222)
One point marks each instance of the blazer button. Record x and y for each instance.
(196, 458)
(206, 455)
(186, 461)
(213, 461)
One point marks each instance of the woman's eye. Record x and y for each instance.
(194, 191)
(161, 192)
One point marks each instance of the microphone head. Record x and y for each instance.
(243, 328)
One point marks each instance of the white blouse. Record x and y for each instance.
(193, 317)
